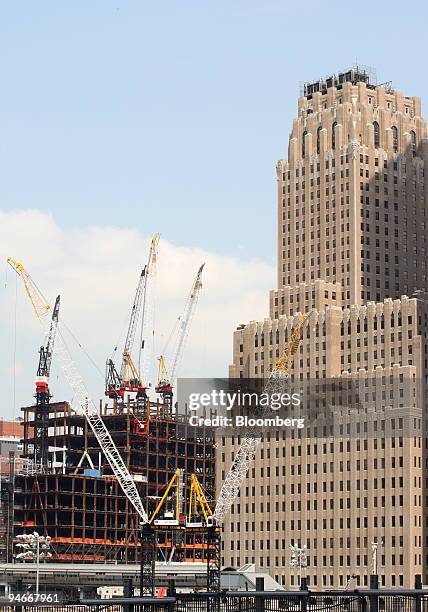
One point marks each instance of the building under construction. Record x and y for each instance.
(77, 500)
(128, 480)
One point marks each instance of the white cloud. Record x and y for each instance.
(95, 269)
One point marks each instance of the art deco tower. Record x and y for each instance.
(351, 191)
(352, 245)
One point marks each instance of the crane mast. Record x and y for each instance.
(41, 413)
(166, 380)
(45, 354)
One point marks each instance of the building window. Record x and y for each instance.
(303, 143)
(394, 138)
(318, 138)
(333, 135)
(413, 142)
(376, 134)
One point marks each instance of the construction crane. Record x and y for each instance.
(203, 523)
(247, 450)
(147, 318)
(197, 521)
(129, 378)
(41, 448)
(43, 395)
(197, 498)
(83, 404)
(166, 380)
(246, 453)
(171, 518)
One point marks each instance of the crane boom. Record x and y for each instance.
(247, 450)
(132, 323)
(185, 322)
(141, 297)
(39, 305)
(129, 377)
(82, 403)
(148, 306)
(166, 379)
(46, 351)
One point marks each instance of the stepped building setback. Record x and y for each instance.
(352, 247)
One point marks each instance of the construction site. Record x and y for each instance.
(83, 472)
(123, 481)
(77, 500)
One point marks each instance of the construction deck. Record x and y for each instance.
(76, 499)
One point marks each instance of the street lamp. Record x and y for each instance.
(374, 546)
(34, 547)
(299, 558)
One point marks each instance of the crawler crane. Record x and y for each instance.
(244, 457)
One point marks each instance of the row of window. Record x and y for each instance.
(376, 129)
(332, 164)
(377, 322)
(331, 523)
(328, 468)
(329, 543)
(375, 463)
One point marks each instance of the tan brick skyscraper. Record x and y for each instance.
(352, 240)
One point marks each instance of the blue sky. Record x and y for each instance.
(122, 118)
(169, 116)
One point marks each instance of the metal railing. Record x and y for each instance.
(364, 600)
(122, 604)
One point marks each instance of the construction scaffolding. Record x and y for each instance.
(77, 501)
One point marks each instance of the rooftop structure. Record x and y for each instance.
(357, 74)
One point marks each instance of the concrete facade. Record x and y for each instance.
(352, 239)
(11, 433)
